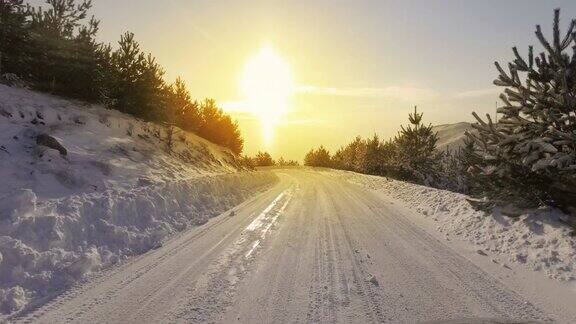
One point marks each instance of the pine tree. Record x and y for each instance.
(309, 159)
(211, 125)
(318, 158)
(247, 162)
(13, 36)
(389, 159)
(372, 162)
(137, 85)
(218, 127)
(62, 18)
(532, 147)
(235, 141)
(63, 50)
(183, 111)
(283, 162)
(350, 157)
(417, 159)
(322, 157)
(153, 91)
(263, 159)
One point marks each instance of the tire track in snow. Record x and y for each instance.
(321, 295)
(366, 291)
(123, 282)
(216, 289)
(112, 292)
(275, 290)
(479, 287)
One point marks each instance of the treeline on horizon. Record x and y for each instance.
(264, 159)
(54, 49)
(411, 155)
(527, 158)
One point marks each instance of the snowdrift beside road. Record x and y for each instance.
(47, 246)
(83, 187)
(537, 238)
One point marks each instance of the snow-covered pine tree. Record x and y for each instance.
(417, 157)
(452, 173)
(531, 150)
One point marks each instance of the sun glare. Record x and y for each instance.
(267, 86)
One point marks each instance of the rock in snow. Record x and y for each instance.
(374, 281)
(51, 142)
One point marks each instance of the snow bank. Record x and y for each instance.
(46, 247)
(536, 238)
(83, 187)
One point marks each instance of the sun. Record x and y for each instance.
(267, 86)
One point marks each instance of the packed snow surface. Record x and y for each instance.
(313, 248)
(117, 189)
(536, 238)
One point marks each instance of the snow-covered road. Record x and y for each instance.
(314, 248)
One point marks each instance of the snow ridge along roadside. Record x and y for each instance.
(61, 241)
(83, 187)
(536, 238)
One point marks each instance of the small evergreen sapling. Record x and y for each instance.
(417, 157)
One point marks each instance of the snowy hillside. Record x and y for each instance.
(105, 148)
(451, 136)
(83, 187)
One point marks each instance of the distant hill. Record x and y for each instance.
(451, 136)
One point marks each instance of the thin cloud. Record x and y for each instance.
(494, 91)
(407, 93)
(233, 106)
(188, 19)
(301, 121)
(401, 93)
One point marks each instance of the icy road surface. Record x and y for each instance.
(312, 249)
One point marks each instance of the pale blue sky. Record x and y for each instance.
(379, 58)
